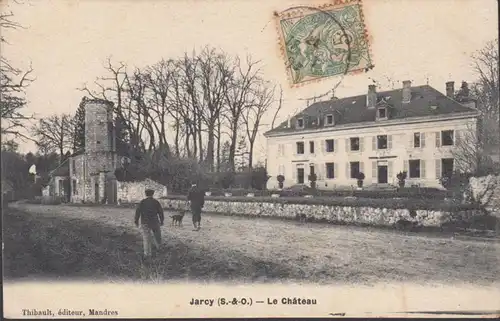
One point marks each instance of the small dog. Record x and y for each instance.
(301, 218)
(177, 219)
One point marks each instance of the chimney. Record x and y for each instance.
(464, 90)
(333, 95)
(288, 122)
(406, 91)
(450, 89)
(463, 96)
(371, 97)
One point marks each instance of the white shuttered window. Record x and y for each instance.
(438, 168)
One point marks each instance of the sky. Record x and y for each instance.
(67, 43)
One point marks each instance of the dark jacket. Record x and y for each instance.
(196, 196)
(149, 211)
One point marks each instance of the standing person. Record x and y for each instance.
(150, 212)
(196, 198)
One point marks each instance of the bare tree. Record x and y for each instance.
(158, 102)
(218, 138)
(10, 146)
(487, 90)
(181, 111)
(468, 153)
(278, 109)
(202, 96)
(140, 114)
(237, 95)
(199, 95)
(224, 165)
(124, 90)
(188, 104)
(54, 133)
(259, 105)
(214, 76)
(13, 84)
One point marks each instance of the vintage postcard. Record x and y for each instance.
(260, 158)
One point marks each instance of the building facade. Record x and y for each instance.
(413, 129)
(91, 171)
(58, 184)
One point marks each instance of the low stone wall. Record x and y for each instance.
(328, 213)
(133, 192)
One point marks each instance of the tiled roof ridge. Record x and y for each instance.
(423, 97)
(379, 93)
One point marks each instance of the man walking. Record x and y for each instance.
(196, 198)
(150, 212)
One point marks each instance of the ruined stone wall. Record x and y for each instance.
(133, 192)
(77, 174)
(99, 136)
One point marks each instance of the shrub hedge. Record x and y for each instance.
(408, 192)
(402, 203)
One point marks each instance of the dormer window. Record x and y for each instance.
(300, 123)
(329, 120)
(382, 113)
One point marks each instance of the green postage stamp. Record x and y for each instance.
(322, 42)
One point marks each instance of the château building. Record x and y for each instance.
(413, 129)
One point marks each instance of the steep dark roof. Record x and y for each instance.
(352, 110)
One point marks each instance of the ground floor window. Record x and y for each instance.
(447, 167)
(300, 175)
(414, 171)
(73, 187)
(354, 169)
(330, 170)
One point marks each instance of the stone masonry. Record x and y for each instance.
(92, 171)
(338, 214)
(133, 192)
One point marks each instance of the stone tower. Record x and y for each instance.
(100, 150)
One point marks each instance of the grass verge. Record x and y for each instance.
(45, 246)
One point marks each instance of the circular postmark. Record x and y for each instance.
(319, 43)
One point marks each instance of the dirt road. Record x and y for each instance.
(244, 249)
